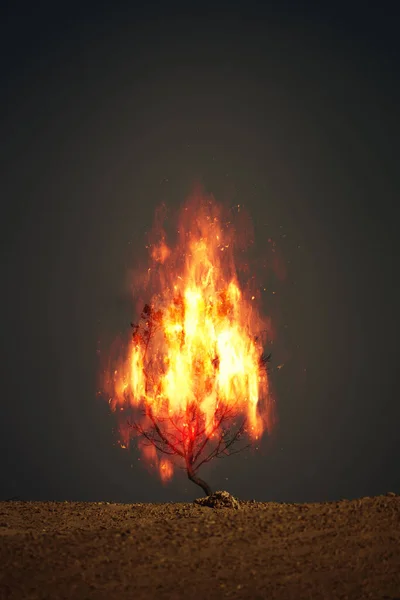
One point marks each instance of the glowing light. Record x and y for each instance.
(203, 354)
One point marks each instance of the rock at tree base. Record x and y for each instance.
(218, 500)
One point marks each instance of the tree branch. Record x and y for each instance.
(162, 436)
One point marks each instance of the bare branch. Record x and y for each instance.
(150, 438)
(242, 449)
(162, 436)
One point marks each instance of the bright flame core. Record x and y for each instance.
(199, 347)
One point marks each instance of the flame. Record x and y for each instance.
(197, 354)
(166, 469)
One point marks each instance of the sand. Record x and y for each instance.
(263, 550)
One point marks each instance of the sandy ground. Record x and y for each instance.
(347, 549)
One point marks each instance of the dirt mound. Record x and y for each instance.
(219, 499)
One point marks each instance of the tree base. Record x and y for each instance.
(219, 499)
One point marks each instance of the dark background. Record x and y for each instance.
(108, 111)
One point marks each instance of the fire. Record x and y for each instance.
(197, 351)
(166, 469)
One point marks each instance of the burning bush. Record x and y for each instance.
(194, 376)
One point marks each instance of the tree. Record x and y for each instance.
(185, 436)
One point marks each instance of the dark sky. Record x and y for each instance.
(293, 115)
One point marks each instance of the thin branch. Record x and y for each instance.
(162, 436)
(153, 442)
(204, 444)
(236, 435)
(223, 455)
(225, 415)
(216, 452)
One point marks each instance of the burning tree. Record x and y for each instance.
(195, 376)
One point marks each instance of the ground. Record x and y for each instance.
(262, 550)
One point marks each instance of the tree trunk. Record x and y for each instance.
(204, 486)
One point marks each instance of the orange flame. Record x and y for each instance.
(204, 350)
(166, 469)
